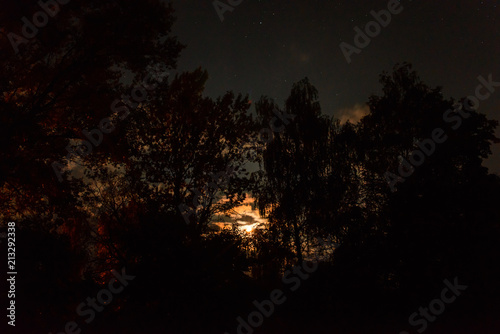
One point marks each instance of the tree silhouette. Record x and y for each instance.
(62, 82)
(432, 206)
(293, 166)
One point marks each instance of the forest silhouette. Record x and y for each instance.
(321, 185)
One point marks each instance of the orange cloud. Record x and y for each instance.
(353, 114)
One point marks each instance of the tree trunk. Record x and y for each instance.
(298, 243)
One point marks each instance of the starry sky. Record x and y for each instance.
(263, 47)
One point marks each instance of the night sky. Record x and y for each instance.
(263, 47)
